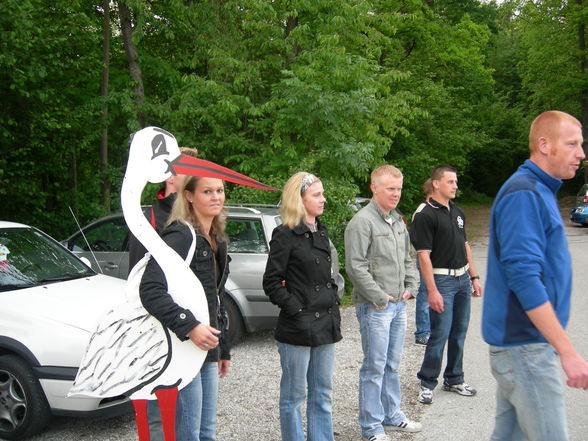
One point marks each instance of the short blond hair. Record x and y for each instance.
(547, 125)
(291, 206)
(385, 170)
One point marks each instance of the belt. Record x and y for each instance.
(451, 272)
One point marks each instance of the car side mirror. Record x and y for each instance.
(86, 261)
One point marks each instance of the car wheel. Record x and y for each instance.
(24, 410)
(234, 321)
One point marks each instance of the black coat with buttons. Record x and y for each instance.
(298, 278)
(158, 302)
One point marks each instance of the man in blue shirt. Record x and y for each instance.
(527, 301)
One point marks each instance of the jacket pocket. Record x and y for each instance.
(321, 296)
(295, 329)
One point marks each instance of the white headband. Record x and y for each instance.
(307, 181)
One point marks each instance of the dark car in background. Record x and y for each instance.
(579, 213)
(249, 228)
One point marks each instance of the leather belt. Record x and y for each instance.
(451, 272)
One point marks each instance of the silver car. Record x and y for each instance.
(249, 228)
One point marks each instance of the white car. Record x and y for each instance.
(51, 302)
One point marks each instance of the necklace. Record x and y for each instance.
(311, 226)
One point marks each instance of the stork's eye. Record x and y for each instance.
(158, 146)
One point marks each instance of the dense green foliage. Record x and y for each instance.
(335, 87)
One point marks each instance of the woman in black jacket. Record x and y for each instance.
(298, 278)
(200, 203)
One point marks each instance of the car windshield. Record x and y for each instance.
(29, 258)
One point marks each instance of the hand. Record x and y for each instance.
(576, 369)
(406, 295)
(223, 367)
(204, 336)
(435, 301)
(477, 288)
(384, 306)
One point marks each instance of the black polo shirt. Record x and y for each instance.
(442, 232)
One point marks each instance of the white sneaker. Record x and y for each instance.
(379, 437)
(425, 395)
(463, 389)
(407, 426)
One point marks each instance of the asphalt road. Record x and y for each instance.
(455, 418)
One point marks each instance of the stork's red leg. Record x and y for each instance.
(141, 419)
(167, 399)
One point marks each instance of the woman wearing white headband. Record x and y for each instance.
(299, 279)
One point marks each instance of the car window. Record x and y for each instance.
(107, 236)
(28, 257)
(246, 236)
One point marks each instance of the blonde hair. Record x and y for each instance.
(385, 170)
(291, 206)
(189, 151)
(547, 125)
(428, 187)
(182, 211)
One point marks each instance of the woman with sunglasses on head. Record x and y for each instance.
(299, 279)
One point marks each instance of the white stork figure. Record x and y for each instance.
(131, 353)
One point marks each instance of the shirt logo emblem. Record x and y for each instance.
(459, 222)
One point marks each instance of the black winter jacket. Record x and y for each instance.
(298, 278)
(158, 302)
(157, 215)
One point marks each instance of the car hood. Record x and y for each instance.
(79, 303)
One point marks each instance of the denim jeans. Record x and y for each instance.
(195, 409)
(449, 327)
(382, 340)
(529, 397)
(306, 367)
(421, 317)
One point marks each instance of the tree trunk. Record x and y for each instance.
(74, 174)
(132, 57)
(291, 24)
(106, 187)
(584, 90)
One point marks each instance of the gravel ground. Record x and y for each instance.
(248, 398)
(248, 405)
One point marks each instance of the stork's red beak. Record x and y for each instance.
(188, 165)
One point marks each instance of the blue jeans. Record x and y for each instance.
(449, 327)
(421, 317)
(529, 397)
(306, 367)
(382, 340)
(195, 409)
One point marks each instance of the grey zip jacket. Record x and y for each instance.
(377, 256)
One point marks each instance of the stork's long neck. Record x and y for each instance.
(131, 191)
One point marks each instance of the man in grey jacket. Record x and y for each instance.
(378, 262)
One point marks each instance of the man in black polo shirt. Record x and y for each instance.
(447, 268)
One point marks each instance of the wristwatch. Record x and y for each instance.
(474, 278)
